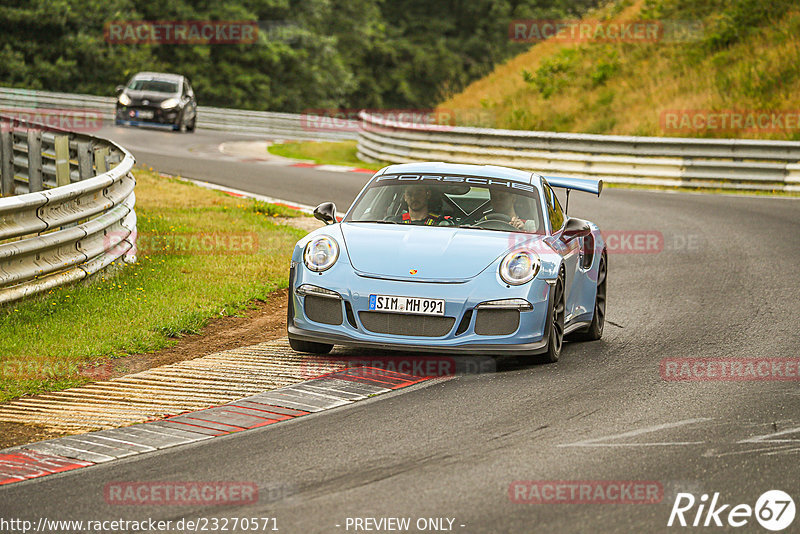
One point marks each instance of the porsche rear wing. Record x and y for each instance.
(586, 185)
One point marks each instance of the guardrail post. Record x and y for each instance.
(35, 161)
(100, 160)
(62, 160)
(85, 169)
(113, 160)
(6, 161)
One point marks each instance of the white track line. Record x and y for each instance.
(594, 441)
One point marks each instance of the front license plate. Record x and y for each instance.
(144, 114)
(395, 304)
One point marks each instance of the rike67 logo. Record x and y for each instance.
(774, 510)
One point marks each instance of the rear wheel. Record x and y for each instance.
(595, 330)
(556, 338)
(310, 346)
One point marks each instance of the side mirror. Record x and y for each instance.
(575, 228)
(120, 88)
(326, 212)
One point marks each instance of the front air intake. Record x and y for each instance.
(323, 310)
(496, 322)
(406, 325)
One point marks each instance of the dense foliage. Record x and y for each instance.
(716, 59)
(310, 54)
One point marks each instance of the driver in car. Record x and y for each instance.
(418, 199)
(502, 203)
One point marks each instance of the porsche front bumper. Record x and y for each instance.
(350, 322)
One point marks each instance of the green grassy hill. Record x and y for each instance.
(742, 56)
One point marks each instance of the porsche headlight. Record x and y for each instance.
(124, 99)
(321, 253)
(169, 103)
(519, 267)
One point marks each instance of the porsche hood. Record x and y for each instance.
(424, 252)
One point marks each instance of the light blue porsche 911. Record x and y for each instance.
(437, 257)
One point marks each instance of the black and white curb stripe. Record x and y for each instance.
(329, 391)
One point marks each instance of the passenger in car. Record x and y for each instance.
(502, 202)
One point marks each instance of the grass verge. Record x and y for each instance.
(201, 254)
(324, 153)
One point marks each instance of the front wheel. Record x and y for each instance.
(556, 338)
(309, 346)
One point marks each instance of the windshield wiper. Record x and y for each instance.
(376, 222)
(471, 227)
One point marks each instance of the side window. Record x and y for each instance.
(554, 211)
(559, 213)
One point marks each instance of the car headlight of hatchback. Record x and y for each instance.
(321, 253)
(169, 103)
(124, 99)
(519, 267)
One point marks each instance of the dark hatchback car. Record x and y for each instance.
(157, 99)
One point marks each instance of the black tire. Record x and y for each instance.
(595, 330)
(181, 124)
(555, 340)
(309, 346)
(190, 128)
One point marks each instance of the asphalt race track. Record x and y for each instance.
(198, 156)
(721, 281)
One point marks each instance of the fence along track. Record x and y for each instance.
(268, 123)
(67, 207)
(665, 161)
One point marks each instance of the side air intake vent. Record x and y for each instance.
(351, 318)
(464, 324)
(323, 310)
(500, 322)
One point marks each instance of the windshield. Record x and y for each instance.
(157, 86)
(441, 200)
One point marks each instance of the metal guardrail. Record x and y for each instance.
(66, 209)
(284, 125)
(665, 161)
